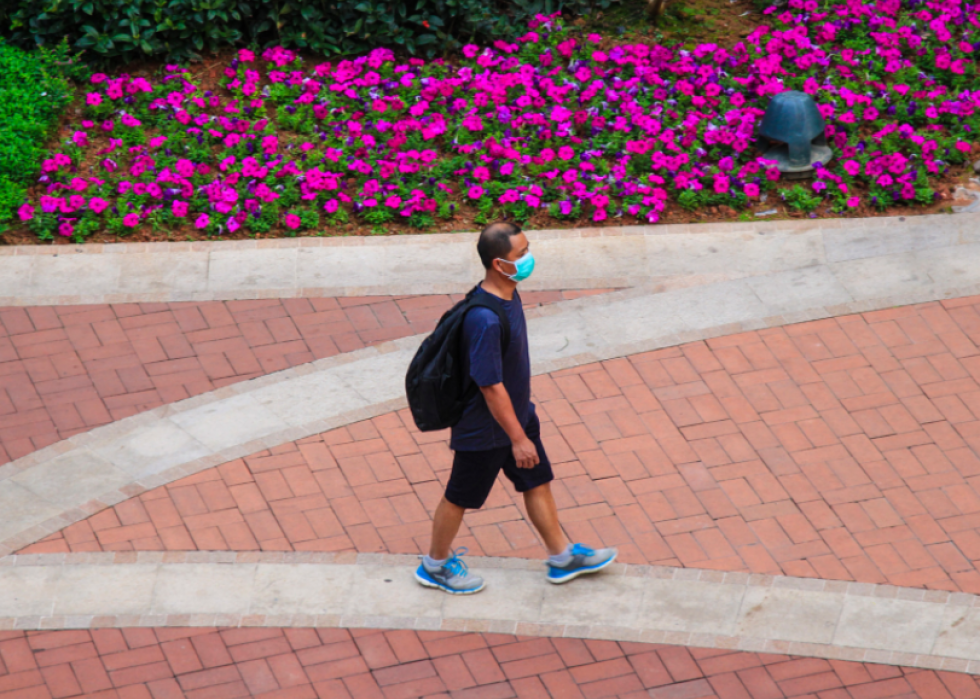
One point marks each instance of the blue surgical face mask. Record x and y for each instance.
(523, 267)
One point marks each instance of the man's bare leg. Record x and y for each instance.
(543, 512)
(445, 525)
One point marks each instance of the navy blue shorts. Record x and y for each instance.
(474, 472)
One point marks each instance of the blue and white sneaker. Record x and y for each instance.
(584, 560)
(453, 577)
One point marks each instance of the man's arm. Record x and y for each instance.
(498, 400)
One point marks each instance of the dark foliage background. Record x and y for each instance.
(182, 29)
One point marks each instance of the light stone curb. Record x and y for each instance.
(651, 604)
(447, 263)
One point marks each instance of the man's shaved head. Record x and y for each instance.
(495, 242)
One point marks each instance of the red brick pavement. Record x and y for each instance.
(67, 369)
(201, 663)
(842, 449)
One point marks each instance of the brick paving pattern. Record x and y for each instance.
(201, 663)
(842, 449)
(67, 369)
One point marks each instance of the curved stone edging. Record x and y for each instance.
(446, 263)
(739, 611)
(49, 489)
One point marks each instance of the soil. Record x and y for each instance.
(723, 22)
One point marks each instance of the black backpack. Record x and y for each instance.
(436, 387)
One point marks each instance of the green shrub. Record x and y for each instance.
(34, 91)
(181, 29)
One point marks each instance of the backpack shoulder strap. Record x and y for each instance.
(485, 302)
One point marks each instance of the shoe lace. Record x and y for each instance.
(456, 565)
(582, 550)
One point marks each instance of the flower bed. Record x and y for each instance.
(551, 122)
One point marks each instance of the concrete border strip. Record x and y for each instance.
(740, 611)
(446, 263)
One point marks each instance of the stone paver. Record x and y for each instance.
(68, 369)
(844, 449)
(302, 663)
(447, 263)
(650, 604)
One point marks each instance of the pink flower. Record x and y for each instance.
(93, 99)
(25, 212)
(66, 229)
(98, 78)
(202, 221)
(475, 192)
(97, 204)
(131, 220)
(179, 208)
(751, 190)
(292, 221)
(233, 224)
(853, 201)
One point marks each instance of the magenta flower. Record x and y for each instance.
(202, 221)
(131, 220)
(25, 212)
(292, 221)
(475, 192)
(179, 208)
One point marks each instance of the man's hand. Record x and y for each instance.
(525, 453)
(498, 401)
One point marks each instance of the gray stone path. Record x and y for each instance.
(446, 263)
(850, 621)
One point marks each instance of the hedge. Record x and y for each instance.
(182, 29)
(34, 90)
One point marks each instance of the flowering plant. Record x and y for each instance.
(551, 122)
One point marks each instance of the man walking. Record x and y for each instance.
(499, 429)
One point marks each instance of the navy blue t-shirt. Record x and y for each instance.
(477, 430)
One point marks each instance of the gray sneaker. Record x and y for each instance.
(584, 560)
(453, 577)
